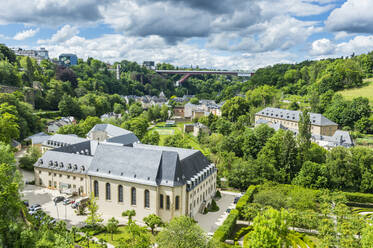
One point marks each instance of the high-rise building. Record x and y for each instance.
(39, 55)
(68, 59)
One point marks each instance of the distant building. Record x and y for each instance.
(38, 55)
(204, 108)
(110, 115)
(111, 133)
(324, 131)
(55, 125)
(68, 59)
(147, 101)
(196, 128)
(149, 64)
(60, 140)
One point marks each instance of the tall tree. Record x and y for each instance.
(182, 232)
(93, 218)
(304, 136)
(153, 221)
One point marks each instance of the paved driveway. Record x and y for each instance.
(212, 220)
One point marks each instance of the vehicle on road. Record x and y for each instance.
(58, 199)
(78, 202)
(26, 203)
(68, 201)
(236, 199)
(228, 210)
(33, 206)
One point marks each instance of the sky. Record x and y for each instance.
(219, 34)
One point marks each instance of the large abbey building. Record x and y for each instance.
(124, 174)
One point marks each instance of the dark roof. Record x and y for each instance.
(63, 139)
(291, 115)
(126, 139)
(111, 130)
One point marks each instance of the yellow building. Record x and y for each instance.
(158, 180)
(320, 125)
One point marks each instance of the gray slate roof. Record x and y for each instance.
(126, 139)
(61, 161)
(65, 139)
(291, 115)
(111, 130)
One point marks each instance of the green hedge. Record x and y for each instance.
(48, 114)
(242, 232)
(225, 230)
(359, 197)
(246, 198)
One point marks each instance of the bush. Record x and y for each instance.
(225, 230)
(243, 231)
(359, 197)
(246, 198)
(217, 194)
(213, 207)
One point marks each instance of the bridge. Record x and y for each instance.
(187, 73)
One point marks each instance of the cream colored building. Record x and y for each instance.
(158, 180)
(320, 125)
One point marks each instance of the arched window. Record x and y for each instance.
(168, 202)
(95, 186)
(161, 201)
(177, 198)
(146, 199)
(133, 196)
(108, 193)
(120, 193)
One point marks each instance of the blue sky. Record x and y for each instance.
(225, 34)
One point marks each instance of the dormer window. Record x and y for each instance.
(40, 161)
(75, 166)
(50, 163)
(69, 166)
(61, 165)
(82, 168)
(56, 163)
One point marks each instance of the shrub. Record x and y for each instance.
(359, 197)
(217, 194)
(213, 207)
(243, 231)
(246, 198)
(225, 230)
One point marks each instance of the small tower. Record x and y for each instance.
(118, 71)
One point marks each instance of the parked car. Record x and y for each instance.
(26, 203)
(58, 199)
(236, 199)
(33, 206)
(228, 210)
(68, 201)
(78, 202)
(34, 211)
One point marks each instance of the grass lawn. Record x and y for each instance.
(179, 129)
(365, 91)
(117, 236)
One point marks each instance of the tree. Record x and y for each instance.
(69, 106)
(6, 53)
(9, 128)
(27, 162)
(74, 231)
(139, 126)
(234, 108)
(311, 175)
(367, 235)
(177, 140)
(129, 213)
(135, 237)
(270, 229)
(112, 226)
(10, 203)
(135, 110)
(304, 136)
(153, 221)
(151, 138)
(364, 125)
(93, 218)
(182, 232)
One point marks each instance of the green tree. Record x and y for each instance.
(234, 108)
(177, 140)
(112, 226)
(182, 232)
(69, 106)
(139, 126)
(135, 110)
(93, 217)
(9, 128)
(129, 213)
(270, 229)
(27, 162)
(151, 138)
(135, 237)
(153, 221)
(304, 136)
(367, 235)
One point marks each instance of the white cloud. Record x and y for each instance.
(322, 47)
(62, 35)
(357, 45)
(116, 47)
(354, 16)
(26, 34)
